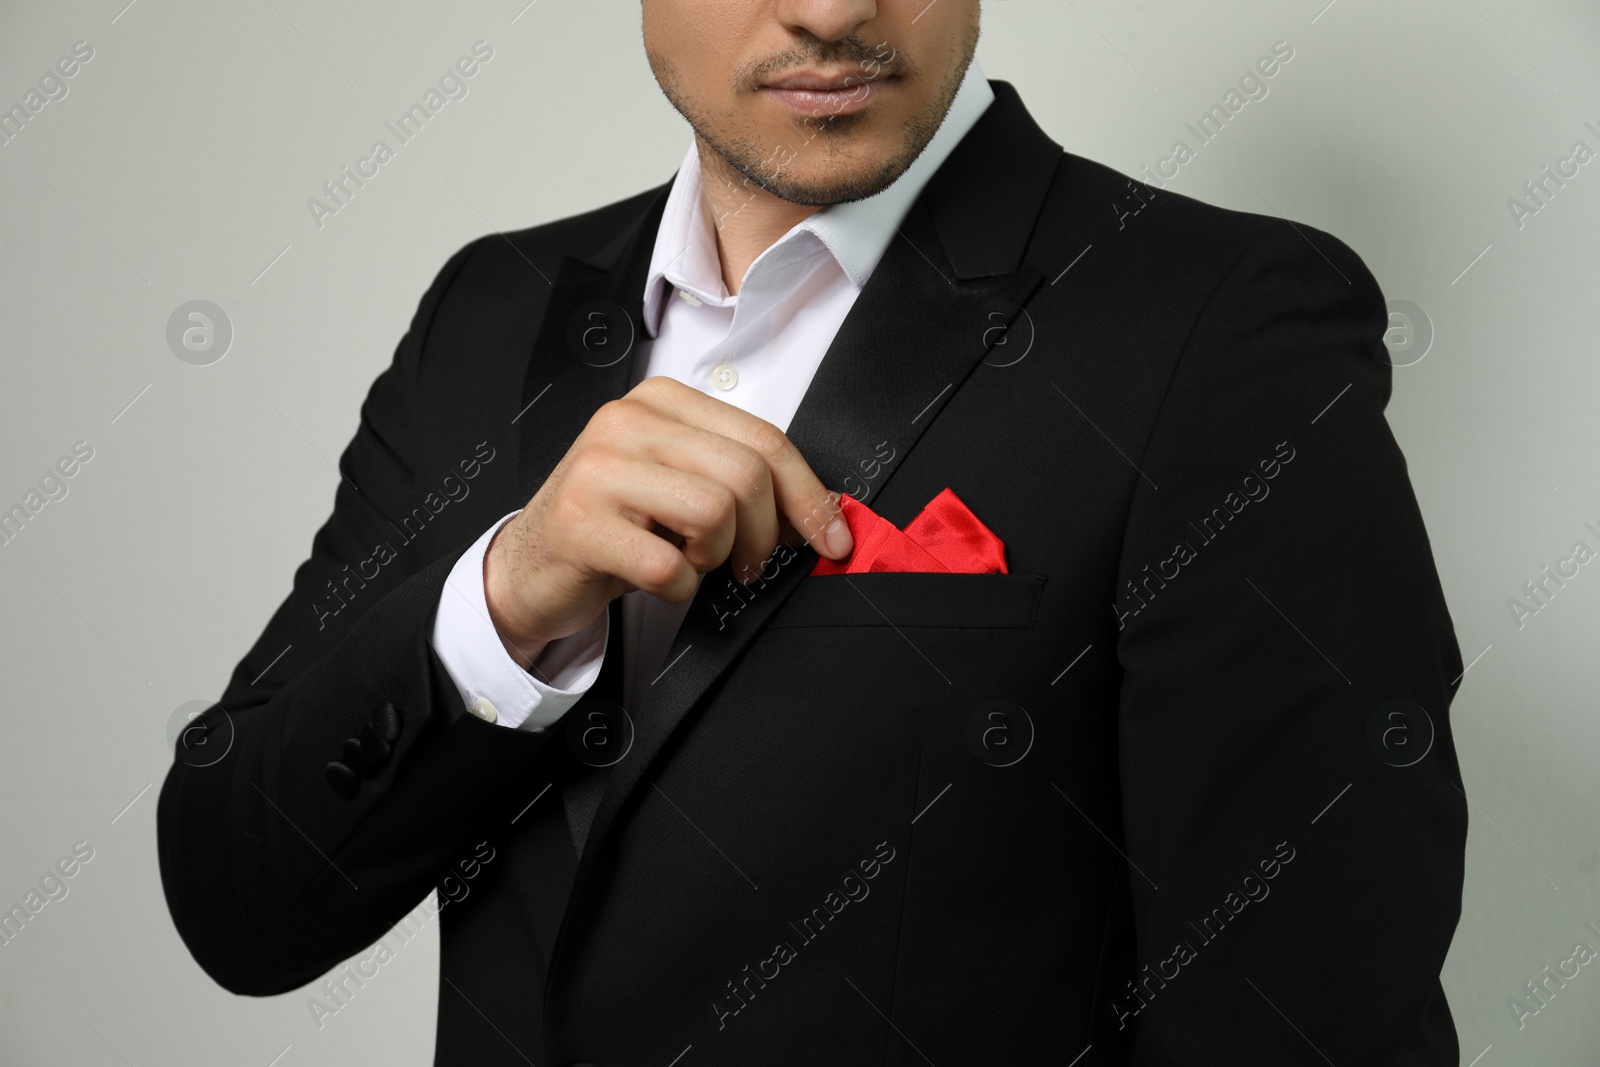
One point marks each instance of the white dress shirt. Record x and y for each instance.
(757, 350)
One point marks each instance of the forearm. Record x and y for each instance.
(274, 868)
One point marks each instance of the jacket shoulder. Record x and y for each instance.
(1177, 237)
(543, 246)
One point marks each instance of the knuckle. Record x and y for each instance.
(768, 441)
(568, 509)
(713, 505)
(658, 568)
(709, 507)
(588, 468)
(752, 475)
(615, 418)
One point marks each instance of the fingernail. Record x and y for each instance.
(836, 536)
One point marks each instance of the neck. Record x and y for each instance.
(747, 219)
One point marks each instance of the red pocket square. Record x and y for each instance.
(944, 537)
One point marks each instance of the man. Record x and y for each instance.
(1155, 769)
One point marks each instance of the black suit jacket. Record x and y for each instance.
(1178, 788)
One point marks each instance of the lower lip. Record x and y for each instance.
(820, 103)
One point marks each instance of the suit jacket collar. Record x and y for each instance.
(931, 310)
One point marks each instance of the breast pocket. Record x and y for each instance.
(916, 599)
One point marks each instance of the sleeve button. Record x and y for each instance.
(343, 780)
(376, 749)
(386, 722)
(357, 758)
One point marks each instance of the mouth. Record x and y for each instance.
(819, 94)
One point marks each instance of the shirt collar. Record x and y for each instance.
(856, 233)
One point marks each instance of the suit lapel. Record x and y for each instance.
(588, 340)
(931, 310)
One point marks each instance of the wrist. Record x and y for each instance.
(523, 653)
(519, 645)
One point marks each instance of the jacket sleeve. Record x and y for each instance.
(1291, 798)
(339, 773)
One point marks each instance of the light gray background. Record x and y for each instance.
(178, 168)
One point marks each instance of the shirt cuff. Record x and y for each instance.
(494, 686)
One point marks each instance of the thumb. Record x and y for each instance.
(822, 525)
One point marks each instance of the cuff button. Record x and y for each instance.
(352, 755)
(377, 750)
(343, 780)
(386, 722)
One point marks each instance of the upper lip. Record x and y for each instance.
(822, 82)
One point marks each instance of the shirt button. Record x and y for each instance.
(484, 710)
(723, 376)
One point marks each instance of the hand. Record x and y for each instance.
(662, 485)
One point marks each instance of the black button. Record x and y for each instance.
(386, 722)
(343, 780)
(356, 758)
(376, 748)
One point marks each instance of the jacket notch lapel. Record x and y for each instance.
(587, 345)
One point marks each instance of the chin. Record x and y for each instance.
(834, 186)
(845, 158)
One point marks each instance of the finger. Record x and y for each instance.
(735, 465)
(633, 428)
(666, 501)
(813, 511)
(617, 546)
